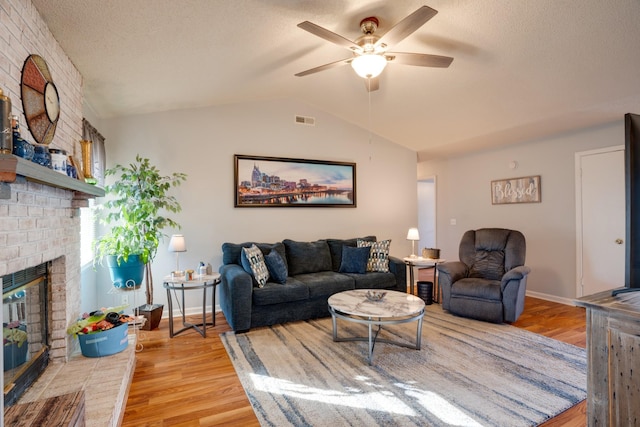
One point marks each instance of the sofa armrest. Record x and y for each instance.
(399, 270)
(448, 273)
(236, 290)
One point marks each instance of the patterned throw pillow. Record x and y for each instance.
(379, 255)
(256, 262)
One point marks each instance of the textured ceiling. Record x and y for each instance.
(522, 70)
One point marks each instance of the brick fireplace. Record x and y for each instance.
(40, 224)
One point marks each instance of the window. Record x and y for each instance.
(88, 232)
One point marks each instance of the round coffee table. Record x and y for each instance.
(394, 308)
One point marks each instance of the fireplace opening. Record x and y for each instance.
(24, 329)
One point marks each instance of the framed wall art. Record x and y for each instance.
(524, 189)
(284, 182)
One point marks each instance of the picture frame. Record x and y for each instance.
(261, 181)
(525, 189)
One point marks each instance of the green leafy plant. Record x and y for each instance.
(135, 208)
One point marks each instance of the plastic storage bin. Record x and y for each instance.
(105, 343)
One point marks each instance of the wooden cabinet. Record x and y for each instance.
(613, 359)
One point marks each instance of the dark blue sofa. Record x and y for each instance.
(313, 277)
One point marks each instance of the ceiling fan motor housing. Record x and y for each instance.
(369, 25)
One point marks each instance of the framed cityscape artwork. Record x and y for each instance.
(284, 182)
(524, 189)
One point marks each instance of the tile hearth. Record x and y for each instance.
(105, 381)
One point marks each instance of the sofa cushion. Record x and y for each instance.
(231, 252)
(379, 256)
(277, 267)
(374, 280)
(326, 283)
(273, 293)
(354, 260)
(307, 257)
(253, 263)
(336, 245)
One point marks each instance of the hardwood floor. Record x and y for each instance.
(190, 381)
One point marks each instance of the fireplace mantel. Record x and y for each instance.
(11, 167)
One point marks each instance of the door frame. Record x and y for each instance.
(578, 179)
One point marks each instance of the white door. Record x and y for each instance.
(601, 225)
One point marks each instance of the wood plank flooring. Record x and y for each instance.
(189, 381)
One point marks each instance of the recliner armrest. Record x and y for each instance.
(456, 270)
(448, 273)
(516, 273)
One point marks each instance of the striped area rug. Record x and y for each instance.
(467, 373)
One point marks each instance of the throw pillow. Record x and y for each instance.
(379, 256)
(307, 257)
(255, 260)
(354, 260)
(277, 267)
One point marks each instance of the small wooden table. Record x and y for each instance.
(198, 282)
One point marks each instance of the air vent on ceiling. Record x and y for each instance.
(302, 120)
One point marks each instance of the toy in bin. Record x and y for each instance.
(102, 333)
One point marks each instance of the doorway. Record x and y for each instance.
(426, 214)
(600, 220)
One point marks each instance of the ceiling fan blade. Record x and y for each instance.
(324, 67)
(372, 84)
(419, 59)
(407, 26)
(329, 36)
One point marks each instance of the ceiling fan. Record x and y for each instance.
(370, 52)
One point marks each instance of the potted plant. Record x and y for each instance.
(135, 209)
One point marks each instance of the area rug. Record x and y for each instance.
(467, 373)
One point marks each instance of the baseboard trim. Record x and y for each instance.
(552, 298)
(190, 311)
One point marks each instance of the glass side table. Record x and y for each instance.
(180, 284)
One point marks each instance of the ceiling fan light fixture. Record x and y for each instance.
(369, 66)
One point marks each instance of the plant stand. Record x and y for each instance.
(138, 322)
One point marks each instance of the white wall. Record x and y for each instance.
(549, 227)
(202, 142)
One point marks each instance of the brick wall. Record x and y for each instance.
(38, 223)
(22, 33)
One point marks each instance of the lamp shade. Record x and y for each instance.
(177, 243)
(413, 234)
(369, 65)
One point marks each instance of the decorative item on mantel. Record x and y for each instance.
(42, 156)
(86, 147)
(58, 160)
(21, 147)
(6, 136)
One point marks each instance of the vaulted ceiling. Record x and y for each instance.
(522, 69)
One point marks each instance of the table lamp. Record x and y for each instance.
(413, 235)
(177, 245)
